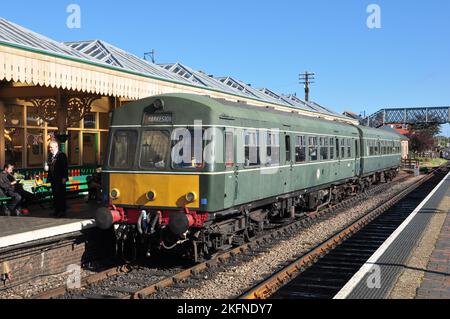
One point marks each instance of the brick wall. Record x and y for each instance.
(54, 257)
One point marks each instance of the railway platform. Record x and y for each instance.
(38, 245)
(414, 262)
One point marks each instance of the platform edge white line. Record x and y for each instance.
(34, 235)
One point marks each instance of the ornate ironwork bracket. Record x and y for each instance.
(77, 106)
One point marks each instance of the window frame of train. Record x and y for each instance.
(371, 148)
(300, 149)
(323, 148)
(349, 148)
(337, 147)
(131, 163)
(229, 151)
(197, 167)
(332, 150)
(247, 146)
(288, 148)
(343, 147)
(168, 157)
(313, 148)
(273, 145)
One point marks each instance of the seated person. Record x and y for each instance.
(8, 186)
(95, 186)
(3, 209)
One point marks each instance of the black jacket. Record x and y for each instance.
(58, 168)
(5, 183)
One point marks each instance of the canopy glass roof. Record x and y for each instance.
(107, 54)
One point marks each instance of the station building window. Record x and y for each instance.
(14, 142)
(35, 147)
(27, 137)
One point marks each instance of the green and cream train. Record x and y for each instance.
(255, 166)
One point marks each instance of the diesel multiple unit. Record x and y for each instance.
(254, 166)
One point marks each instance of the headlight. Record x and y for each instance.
(151, 195)
(191, 197)
(115, 193)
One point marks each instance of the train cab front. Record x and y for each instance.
(153, 212)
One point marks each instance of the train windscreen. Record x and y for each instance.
(123, 149)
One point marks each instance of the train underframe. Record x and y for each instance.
(198, 236)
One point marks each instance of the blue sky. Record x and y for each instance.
(268, 43)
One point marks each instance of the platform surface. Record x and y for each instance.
(379, 274)
(39, 225)
(436, 284)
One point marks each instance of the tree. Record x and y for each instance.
(421, 142)
(431, 129)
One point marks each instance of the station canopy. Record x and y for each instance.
(102, 54)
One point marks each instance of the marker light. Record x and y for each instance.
(115, 193)
(191, 197)
(151, 195)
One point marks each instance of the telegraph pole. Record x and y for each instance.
(307, 79)
(152, 55)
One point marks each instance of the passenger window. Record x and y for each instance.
(300, 149)
(349, 148)
(313, 148)
(273, 149)
(123, 149)
(251, 148)
(229, 149)
(287, 143)
(343, 148)
(337, 148)
(331, 148)
(323, 149)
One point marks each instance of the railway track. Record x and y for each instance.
(324, 270)
(138, 282)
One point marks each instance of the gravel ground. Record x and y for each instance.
(234, 280)
(30, 289)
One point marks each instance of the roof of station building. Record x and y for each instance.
(107, 55)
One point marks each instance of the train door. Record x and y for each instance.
(337, 166)
(357, 158)
(232, 169)
(287, 172)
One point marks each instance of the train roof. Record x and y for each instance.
(191, 107)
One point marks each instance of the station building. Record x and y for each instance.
(67, 90)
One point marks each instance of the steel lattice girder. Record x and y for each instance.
(434, 115)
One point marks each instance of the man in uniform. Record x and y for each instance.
(58, 175)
